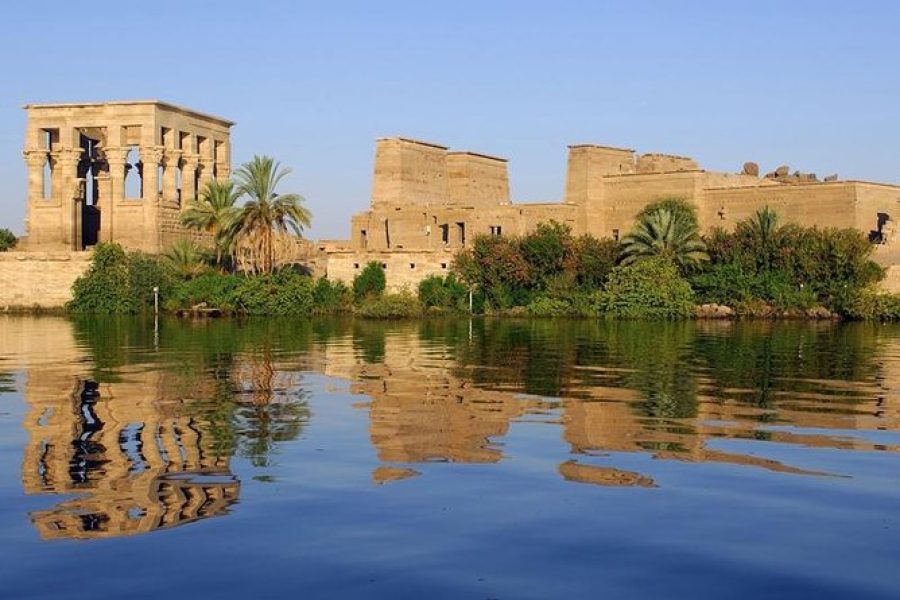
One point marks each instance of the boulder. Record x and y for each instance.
(782, 171)
(832, 177)
(750, 168)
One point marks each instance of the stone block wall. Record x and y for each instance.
(477, 180)
(39, 279)
(403, 270)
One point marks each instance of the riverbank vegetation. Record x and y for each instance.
(663, 269)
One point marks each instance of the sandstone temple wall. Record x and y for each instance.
(39, 279)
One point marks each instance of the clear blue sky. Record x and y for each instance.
(812, 84)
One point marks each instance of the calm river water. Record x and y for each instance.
(448, 459)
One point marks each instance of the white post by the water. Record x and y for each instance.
(156, 317)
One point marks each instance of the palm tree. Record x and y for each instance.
(267, 212)
(763, 226)
(763, 233)
(186, 258)
(213, 213)
(666, 234)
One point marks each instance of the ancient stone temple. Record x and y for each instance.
(429, 202)
(117, 171)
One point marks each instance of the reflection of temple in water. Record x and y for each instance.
(135, 464)
(420, 412)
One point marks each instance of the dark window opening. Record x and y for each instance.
(496, 230)
(462, 233)
(616, 234)
(412, 265)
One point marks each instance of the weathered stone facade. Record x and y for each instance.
(117, 171)
(429, 202)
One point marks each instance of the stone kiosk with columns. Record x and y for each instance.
(117, 171)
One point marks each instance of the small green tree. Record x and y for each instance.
(8, 240)
(106, 286)
(666, 234)
(675, 205)
(652, 288)
(214, 213)
(186, 259)
(437, 291)
(370, 281)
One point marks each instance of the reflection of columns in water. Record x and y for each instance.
(142, 469)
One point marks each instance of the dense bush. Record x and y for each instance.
(119, 283)
(549, 262)
(371, 281)
(786, 266)
(214, 289)
(282, 293)
(331, 297)
(871, 304)
(443, 293)
(8, 240)
(651, 288)
(390, 306)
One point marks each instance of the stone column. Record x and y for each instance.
(207, 164)
(150, 158)
(35, 159)
(115, 158)
(223, 161)
(171, 160)
(189, 164)
(70, 188)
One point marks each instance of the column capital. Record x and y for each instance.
(207, 161)
(151, 154)
(68, 155)
(35, 157)
(116, 155)
(171, 157)
(190, 161)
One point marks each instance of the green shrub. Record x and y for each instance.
(8, 240)
(282, 293)
(443, 292)
(331, 297)
(872, 304)
(651, 288)
(390, 306)
(118, 283)
(542, 306)
(215, 289)
(370, 282)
